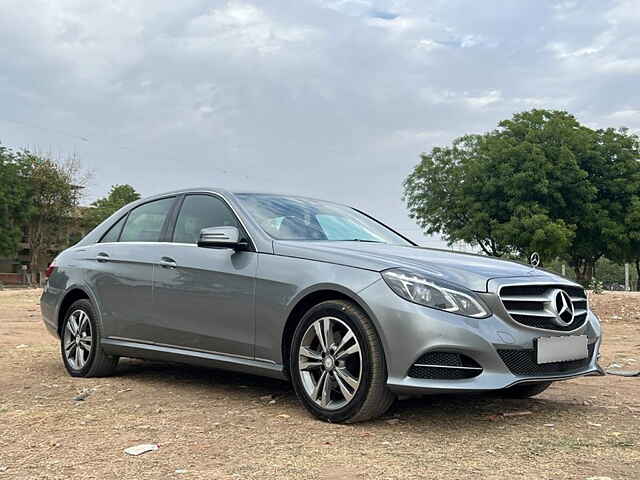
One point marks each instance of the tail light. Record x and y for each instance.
(50, 269)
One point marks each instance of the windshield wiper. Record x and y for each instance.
(361, 240)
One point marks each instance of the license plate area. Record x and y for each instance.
(561, 349)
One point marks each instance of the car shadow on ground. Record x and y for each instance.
(486, 407)
(177, 374)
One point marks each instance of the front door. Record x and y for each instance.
(203, 298)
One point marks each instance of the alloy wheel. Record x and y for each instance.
(77, 340)
(330, 363)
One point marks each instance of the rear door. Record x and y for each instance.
(122, 272)
(204, 297)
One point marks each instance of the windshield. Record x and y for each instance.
(291, 218)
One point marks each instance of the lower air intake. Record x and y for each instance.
(445, 366)
(523, 362)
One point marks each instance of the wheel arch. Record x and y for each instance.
(307, 301)
(72, 295)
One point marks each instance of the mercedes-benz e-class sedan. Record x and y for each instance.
(350, 311)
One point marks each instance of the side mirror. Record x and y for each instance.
(221, 237)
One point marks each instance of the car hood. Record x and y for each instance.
(468, 270)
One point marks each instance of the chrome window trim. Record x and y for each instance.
(194, 192)
(147, 243)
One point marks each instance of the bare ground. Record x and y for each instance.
(210, 424)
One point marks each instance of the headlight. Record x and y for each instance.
(423, 290)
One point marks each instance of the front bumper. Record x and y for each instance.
(408, 331)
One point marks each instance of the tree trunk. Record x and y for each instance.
(637, 274)
(35, 246)
(579, 270)
(584, 269)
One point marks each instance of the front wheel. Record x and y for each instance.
(337, 364)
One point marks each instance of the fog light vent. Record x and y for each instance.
(445, 366)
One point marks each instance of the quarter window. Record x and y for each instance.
(202, 211)
(114, 232)
(144, 223)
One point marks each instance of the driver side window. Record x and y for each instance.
(202, 211)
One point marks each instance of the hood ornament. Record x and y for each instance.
(534, 259)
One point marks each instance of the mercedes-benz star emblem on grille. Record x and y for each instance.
(534, 259)
(563, 307)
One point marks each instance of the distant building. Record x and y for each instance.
(10, 267)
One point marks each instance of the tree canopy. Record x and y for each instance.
(55, 190)
(14, 199)
(103, 208)
(539, 182)
(40, 196)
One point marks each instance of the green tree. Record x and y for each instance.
(633, 233)
(540, 182)
(616, 173)
(103, 208)
(14, 200)
(54, 193)
(626, 248)
(604, 228)
(503, 190)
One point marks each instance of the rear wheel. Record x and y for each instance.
(524, 390)
(80, 343)
(337, 364)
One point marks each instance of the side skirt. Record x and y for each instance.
(171, 353)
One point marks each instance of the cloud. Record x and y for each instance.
(562, 51)
(630, 114)
(383, 15)
(620, 65)
(240, 25)
(470, 40)
(331, 98)
(395, 24)
(348, 7)
(480, 101)
(427, 44)
(528, 103)
(415, 138)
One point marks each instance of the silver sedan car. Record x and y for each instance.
(321, 294)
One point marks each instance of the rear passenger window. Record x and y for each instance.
(202, 211)
(114, 232)
(144, 223)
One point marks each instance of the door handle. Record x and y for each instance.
(102, 257)
(168, 262)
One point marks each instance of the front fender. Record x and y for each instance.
(283, 282)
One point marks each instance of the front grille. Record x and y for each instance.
(532, 305)
(445, 366)
(524, 362)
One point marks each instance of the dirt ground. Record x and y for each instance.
(210, 424)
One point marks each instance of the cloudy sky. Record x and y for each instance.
(327, 98)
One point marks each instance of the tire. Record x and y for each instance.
(345, 401)
(524, 390)
(92, 362)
